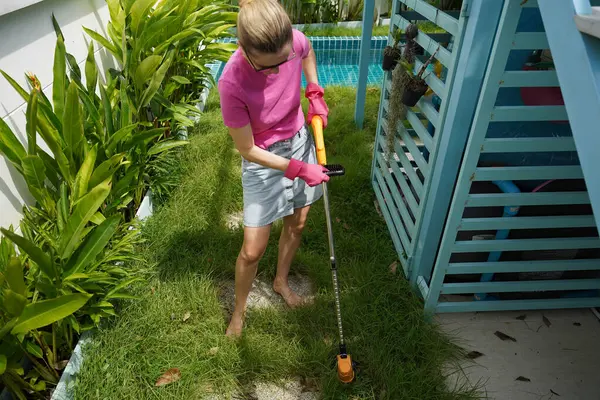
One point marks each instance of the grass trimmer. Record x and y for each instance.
(345, 366)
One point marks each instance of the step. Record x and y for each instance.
(589, 24)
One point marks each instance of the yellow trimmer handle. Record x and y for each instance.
(317, 128)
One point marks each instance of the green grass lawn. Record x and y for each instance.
(334, 31)
(190, 252)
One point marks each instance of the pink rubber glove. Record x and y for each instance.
(312, 174)
(316, 104)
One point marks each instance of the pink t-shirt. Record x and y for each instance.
(269, 103)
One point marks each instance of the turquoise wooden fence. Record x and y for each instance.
(491, 211)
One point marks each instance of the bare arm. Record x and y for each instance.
(309, 66)
(244, 143)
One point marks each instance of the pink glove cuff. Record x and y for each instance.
(293, 169)
(313, 91)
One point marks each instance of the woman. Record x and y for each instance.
(260, 102)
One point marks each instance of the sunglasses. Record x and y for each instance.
(290, 57)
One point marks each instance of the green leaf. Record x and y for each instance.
(157, 80)
(105, 170)
(2, 364)
(97, 218)
(14, 276)
(108, 117)
(10, 146)
(93, 245)
(144, 137)
(91, 70)
(125, 108)
(36, 254)
(60, 75)
(120, 286)
(146, 70)
(119, 137)
(104, 42)
(14, 303)
(84, 174)
(74, 277)
(51, 166)
(139, 12)
(63, 207)
(166, 145)
(83, 212)
(31, 116)
(7, 327)
(73, 124)
(34, 349)
(34, 172)
(181, 79)
(43, 313)
(22, 92)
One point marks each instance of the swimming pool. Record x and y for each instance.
(337, 60)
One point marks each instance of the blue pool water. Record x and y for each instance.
(337, 60)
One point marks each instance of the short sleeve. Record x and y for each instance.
(303, 43)
(234, 110)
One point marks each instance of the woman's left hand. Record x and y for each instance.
(316, 104)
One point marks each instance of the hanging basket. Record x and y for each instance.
(411, 95)
(390, 59)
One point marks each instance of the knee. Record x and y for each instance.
(251, 254)
(297, 228)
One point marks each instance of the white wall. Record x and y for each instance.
(27, 42)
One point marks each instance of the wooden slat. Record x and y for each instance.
(421, 131)
(528, 173)
(524, 286)
(432, 80)
(435, 15)
(546, 222)
(528, 145)
(397, 223)
(473, 246)
(529, 113)
(430, 45)
(529, 79)
(526, 199)
(400, 205)
(530, 41)
(522, 266)
(493, 305)
(409, 169)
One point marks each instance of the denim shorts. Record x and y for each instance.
(268, 195)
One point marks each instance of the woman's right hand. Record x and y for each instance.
(312, 174)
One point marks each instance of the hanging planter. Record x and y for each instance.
(415, 84)
(391, 54)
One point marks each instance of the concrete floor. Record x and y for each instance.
(558, 354)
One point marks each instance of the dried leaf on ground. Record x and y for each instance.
(523, 379)
(554, 393)
(522, 317)
(394, 267)
(172, 375)
(546, 321)
(504, 336)
(338, 220)
(346, 226)
(474, 354)
(153, 290)
(186, 316)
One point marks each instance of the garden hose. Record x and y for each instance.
(345, 366)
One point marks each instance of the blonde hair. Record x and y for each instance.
(263, 26)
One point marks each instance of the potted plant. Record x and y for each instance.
(391, 54)
(415, 85)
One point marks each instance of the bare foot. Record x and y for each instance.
(234, 330)
(291, 298)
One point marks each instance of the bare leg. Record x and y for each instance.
(290, 239)
(255, 243)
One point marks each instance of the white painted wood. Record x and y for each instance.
(27, 44)
(8, 6)
(589, 24)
